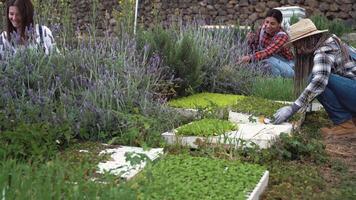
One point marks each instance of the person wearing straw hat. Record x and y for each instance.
(332, 79)
(268, 46)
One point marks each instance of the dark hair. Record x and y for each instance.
(25, 8)
(277, 14)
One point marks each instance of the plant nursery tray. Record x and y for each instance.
(121, 166)
(192, 177)
(260, 187)
(251, 131)
(262, 135)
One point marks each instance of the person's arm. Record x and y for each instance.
(279, 41)
(2, 47)
(48, 41)
(252, 40)
(5, 46)
(320, 76)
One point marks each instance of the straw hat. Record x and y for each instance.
(302, 29)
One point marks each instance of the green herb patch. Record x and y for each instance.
(206, 127)
(187, 177)
(205, 100)
(258, 106)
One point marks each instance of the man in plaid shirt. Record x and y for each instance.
(269, 46)
(333, 79)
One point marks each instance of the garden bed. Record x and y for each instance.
(252, 115)
(247, 134)
(219, 103)
(187, 177)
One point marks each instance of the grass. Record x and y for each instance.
(276, 88)
(187, 177)
(206, 127)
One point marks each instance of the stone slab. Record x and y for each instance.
(118, 164)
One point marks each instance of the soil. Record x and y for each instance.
(343, 150)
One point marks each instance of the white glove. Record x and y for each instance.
(285, 113)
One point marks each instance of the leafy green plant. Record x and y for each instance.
(296, 147)
(205, 100)
(258, 106)
(33, 141)
(57, 179)
(206, 127)
(187, 177)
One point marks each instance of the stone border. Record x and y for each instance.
(260, 187)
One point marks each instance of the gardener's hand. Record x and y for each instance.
(244, 59)
(285, 113)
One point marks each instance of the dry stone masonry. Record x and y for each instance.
(94, 11)
(213, 12)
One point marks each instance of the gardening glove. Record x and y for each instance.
(285, 113)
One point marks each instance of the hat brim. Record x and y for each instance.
(306, 35)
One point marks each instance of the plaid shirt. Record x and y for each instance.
(327, 59)
(265, 45)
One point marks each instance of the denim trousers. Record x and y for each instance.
(339, 98)
(352, 52)
(281, 66)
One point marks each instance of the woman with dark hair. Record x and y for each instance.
(21, 30)
(268, 45)
(332, 79)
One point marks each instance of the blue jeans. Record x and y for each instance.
(352, 52)
(339, 98)
(281, 66)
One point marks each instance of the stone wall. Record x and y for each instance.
(86, 12)
(214, 12)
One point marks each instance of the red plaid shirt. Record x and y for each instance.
(270, 45)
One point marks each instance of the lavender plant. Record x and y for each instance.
(96, 87)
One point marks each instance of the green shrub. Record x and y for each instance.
(297, 147)
(294, 19)
(334, 26)
(187, 64)
(187, 177)
(33, 141)
(321, 22)
(179, 53)
(206, 127)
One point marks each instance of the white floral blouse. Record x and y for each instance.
(43, 39)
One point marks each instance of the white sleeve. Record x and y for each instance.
(2, 46)
(5, 46)
(48, 41)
